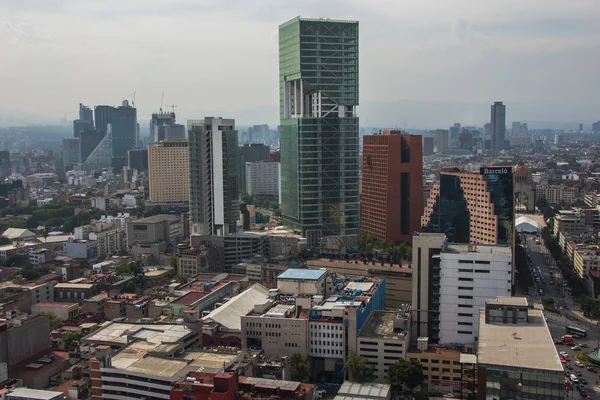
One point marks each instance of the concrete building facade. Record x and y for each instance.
(391, 186)
(169, 172)
(262, 178)
(498, 121)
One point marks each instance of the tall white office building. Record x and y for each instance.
(214, 176)
(262, 178)
(470, 275)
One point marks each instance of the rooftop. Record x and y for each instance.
(365, 268)
(380, 325)
(496, 250)
(55, 305)
(118, 333)
(353, 390)
(156, 219)
(510, 301)
(523, 345)
(74, 286)
(229, 314)
(190, 298)
(306, 274)
(25, 393)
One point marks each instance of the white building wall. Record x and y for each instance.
(262, 177)
(467, 281)
(326, 339)
(382, 353)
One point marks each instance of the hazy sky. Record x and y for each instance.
(220, 56)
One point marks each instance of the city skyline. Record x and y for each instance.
(493, 52)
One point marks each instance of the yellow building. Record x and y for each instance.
(169, 171)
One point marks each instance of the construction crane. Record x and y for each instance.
(132, 95)
(172, 107)
(162, 98)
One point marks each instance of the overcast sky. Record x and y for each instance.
(220, 56)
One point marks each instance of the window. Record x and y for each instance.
(465, 270)
(465, 332)
(466, 279)
(435, 369)
(465, 261)
(435, 361)
(465, 297)
(466, 323)
(445, 362)
(465, 288)
(464, 315)
(482, 262)
(483, 271)
(465, 305)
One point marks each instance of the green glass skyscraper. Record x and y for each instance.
(318, 90)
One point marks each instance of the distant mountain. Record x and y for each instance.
(19, 118)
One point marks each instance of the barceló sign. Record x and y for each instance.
(495, 171)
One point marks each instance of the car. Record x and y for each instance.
(583, 345)
(575, 348)
(568, 366)
(573, 378)
(579, 374)
(561, 307)
(583, 380)
(558, 341)
(567, 358)
(579, 364)
(562, 360)
(563, 353)
(592, 368)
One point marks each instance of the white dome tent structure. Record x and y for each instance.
(527, 225)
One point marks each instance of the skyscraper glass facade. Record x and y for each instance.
(318, 77)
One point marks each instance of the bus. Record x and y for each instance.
(577, 331)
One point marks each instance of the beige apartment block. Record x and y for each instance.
(169, 171)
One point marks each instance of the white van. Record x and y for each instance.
(573, 378)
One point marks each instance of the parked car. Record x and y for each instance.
(592, 368)
(563, 353)
(579, 364)
(575, 348)
(558, 341)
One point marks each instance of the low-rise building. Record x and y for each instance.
(27, 294)
(385, 339)
(82, 249)
(23, 339)
(516, 353)
(192, 261)
(63, 311)
(74, 291)
(162, 228)
(33, 394)
(40, 256)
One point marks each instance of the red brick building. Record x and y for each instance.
(392, 185)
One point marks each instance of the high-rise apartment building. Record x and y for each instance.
(441, 141)
(214, 176)
(158, 125)
(392, 185)
(318, 88)
(498, 121)
(71, 151)
(169, 171)
(472, 207)
(428, 144)
(516, 129)
(262, 178)
(251, 153)
(86, 113)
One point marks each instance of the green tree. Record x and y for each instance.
(136, 268)
(266, 218)
(407, 373)
(71, 337)
(55, 321)
(130, 287)
(299, 364)
(4, 241)
(358, 367)
(246, 198)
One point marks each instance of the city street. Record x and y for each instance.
(567, 315)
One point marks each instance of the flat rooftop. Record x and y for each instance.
(380, 325)
(306, 274)
(353, 390)
(25, 393)
(55, 305)
(359, 267)
(523, 345)
(191, 298)
(119, 333)
(155, 219)
(497, 250)
(510, 301)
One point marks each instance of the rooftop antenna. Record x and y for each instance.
(172, 107)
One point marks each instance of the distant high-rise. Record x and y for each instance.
(319, 138)
(516, 129)
(251, 153)
(138, 159)
(5, 169)
(441, 141)
(103, 117)
(498, 121)
(392, 186)
(86, 113)
(580, 128)
(70, 151)
(89, 139)
(428, 145)
(80, 125)
(214, 176)
(175, 132)
(124, 133)
(158, 123)
(454, 131)
(169, 171)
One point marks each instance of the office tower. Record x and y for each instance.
(103, 117)
(454, 131)
(86, 113)
(80, 125)
(169, 171)
(158, 123)
(251, 153)
(318, 86)
(214, 176)
(89, 139)
(175, 131)
(392, 186)
(5, 169)
(580, 128)
(524, 129)
(498, 125)
(258, 133)
(465, 140)
(71, 151)
(471, 207)
(138, 159)
(262, 179)
(516, 129)
(124, 133)
(102, 155)
(441, 141)
(428, 144)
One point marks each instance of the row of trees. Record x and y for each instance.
(522, 264)
(564, 263)
(368, 242)
(403, 373)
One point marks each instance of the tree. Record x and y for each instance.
(359, 368)
(299, 364)
(136, 268)
(266, 218)
(71, 337)
(55, 321)
(130, 287)
(407, 373)
(4, 241)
